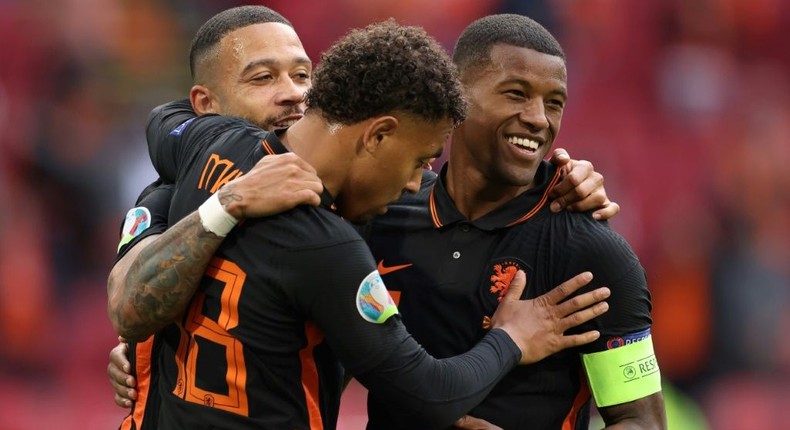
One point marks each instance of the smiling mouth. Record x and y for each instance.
(285, 123)
(521, 142)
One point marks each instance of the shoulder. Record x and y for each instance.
(584, 228)
(305, 227)
(588, 244)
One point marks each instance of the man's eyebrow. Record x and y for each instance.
(559, 91)
(271, 62)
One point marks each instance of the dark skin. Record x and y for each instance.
(516, 102)
(644, 413)
(581, 189)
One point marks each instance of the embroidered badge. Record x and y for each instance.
(137, 220)
(503, 275)
(374, 302)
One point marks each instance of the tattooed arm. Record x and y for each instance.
(153, 283)
(151, 286)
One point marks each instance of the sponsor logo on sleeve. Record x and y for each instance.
(374, 302)
(178, 131)
(618, 341)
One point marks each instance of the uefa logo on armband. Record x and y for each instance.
(618, 341)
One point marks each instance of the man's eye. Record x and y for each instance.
(556, 103)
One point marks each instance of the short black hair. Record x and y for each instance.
(383, 68)
(474, 44)
(213, 30)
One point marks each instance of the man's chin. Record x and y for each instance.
(366, 218)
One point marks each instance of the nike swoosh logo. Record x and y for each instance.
(383, 270)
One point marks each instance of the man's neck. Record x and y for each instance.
(314, 140)
(472, 192)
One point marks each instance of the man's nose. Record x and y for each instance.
(290, 92)
(534, 114)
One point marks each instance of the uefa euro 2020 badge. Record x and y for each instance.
(374, 302)
(137, 220)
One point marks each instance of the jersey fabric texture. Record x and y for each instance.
(156, 198)
(142, 355)
(451, 273)
(278, 309)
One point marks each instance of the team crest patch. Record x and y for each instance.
(618, 341)
(374, 302)
(137, 220)
(502, 274)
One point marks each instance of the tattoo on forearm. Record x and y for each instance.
(227, 195)
(161, 282)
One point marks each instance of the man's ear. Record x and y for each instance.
(202, 100)
(378, 130)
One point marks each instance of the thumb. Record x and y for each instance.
(560, 157)
(517, 286)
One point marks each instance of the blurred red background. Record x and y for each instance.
(684, 105)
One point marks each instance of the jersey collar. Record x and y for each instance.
(516, 211)
(271, 144)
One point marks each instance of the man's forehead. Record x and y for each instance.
(271, 37)
(514, 63)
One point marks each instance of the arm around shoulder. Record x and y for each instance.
(153, 284)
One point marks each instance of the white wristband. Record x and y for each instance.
(214, 217)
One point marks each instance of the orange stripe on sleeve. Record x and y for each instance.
(578, 403)
(310, 376)
(142, 365)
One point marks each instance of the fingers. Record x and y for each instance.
(124, 403)
(118, 357)
(582, 301)
(582, 316)
(122, 384)
(282, 160)
(560, 157)
(304, 165)
(574, 340)
(517, 287)
(562, 291)
(472, 423)
(308, 197)
(277, 183)
(609, 210)
(121, 380)
(581, 188)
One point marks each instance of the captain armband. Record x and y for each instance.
(215, 218)
(623, 374)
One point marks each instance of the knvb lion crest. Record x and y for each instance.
(502, 277)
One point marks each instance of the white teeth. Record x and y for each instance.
(526, 143)
(286, 124)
